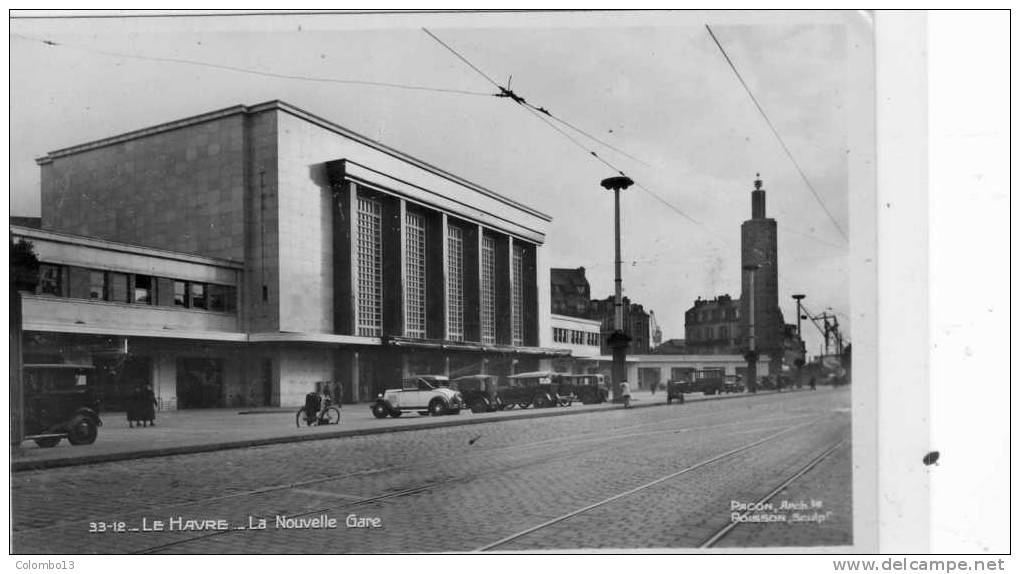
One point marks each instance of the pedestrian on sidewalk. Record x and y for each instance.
(147, 405)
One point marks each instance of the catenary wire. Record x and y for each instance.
(586, 134)
(461, 58)
(540, 115)
(254, 71)
(775, 132)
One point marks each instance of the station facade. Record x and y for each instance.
(264, 252)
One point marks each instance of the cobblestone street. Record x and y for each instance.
(653, 478)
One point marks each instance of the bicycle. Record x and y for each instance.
(311, 415)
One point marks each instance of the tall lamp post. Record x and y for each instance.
(800, 340)
(752, 351)
(618, 339)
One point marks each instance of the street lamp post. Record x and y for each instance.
(618, 339)
(799, 298)
(800, 340)
(752, 352)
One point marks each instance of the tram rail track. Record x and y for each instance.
(571, 448)
(448, 482)
(721, 534)
(550, 449)
(686, 470)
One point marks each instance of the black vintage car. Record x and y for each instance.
(587, 388)
(480, 392)
(60, 403)
(529, 389)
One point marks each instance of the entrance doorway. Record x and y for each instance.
(199, 383)
(117, 378)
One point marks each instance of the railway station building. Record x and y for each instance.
(247, 256)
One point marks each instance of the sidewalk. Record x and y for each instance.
(206, 430)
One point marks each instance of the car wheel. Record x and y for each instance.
(437, 408)
(541, 401)
(380, 410)
(480, 405)
(82, 430)
(47, 442)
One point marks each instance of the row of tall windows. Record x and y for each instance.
(713, 315)
(455, 283)
(114, 286)
(369, 255)
(709, 333)
(414, 276)
(368, 264)
(488, 289)
(575, 337)
(517, 295)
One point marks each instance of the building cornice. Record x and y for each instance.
(79, 240)
(299, 113)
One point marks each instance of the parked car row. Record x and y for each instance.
(439, 395)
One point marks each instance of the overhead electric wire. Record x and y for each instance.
(775, 132)
(540, 112)
(586, 134)
(505, 92)
(461, 58)
(254, 71)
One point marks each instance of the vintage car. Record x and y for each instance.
(523, 390)
(60, 403)
(587, 388)
(732, 384)
(480, 392)
(675, 391)
(427, 394)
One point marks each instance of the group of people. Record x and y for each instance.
(141, 407)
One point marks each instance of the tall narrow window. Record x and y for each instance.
(517, 296)
(414, 276)
(369, 254)
(143, 289)
(180, 294)
(97, 285)
(198, 297)
(488, 289)
(50, 280)
(455, 283)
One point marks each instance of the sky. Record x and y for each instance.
(652, 84)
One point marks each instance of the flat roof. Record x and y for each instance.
(302, 114)
(104, 244)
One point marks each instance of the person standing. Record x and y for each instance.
(147, 406)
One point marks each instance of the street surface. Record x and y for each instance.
(652, 478)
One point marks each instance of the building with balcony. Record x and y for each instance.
(712, 326)
(258, 252)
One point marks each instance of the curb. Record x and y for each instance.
(24, 465)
